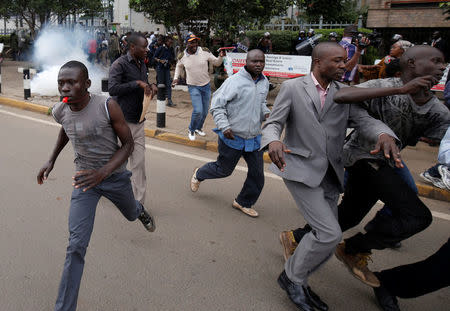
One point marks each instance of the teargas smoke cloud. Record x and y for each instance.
(53, 48)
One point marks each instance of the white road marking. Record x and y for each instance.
(183, 154)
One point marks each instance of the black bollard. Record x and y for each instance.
(26, 83)
(161, 106)
(105, 85)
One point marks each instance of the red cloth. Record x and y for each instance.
(92, 46)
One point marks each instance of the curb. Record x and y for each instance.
(424, 190)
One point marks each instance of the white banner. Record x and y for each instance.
(277, 65)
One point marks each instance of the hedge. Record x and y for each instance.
(4, 39)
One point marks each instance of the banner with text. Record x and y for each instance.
(281, 66)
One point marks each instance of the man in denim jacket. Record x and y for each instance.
(239, 108)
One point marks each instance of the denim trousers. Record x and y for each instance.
(116, 188)
(163, 77)
(200, 96)
(225, 165)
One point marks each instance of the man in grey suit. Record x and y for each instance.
(309, 161)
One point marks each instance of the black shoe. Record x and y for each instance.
(170, 103)
(315, 299)
(296, 293)
(300, 233)
(147, 220)
(386, 301)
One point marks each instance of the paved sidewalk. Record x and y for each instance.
(417, 158)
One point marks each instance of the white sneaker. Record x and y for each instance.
(437, 182)
(191, 135)
(445, 175)
(200, 132)
(195, 183)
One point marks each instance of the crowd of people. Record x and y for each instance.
(316, 159)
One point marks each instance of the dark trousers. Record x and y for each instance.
(163, 77)
(116, 188)
(368, 182)
(419, 278)
(225, 164)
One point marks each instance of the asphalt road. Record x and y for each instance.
(204, 254)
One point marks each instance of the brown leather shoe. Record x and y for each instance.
(195, 183)
(287, 240)
(246, 210)
(357, 265)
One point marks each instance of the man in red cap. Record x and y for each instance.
(195, 62)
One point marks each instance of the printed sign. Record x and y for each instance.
(281, 66)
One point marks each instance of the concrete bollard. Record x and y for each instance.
(161, 106)
(26, 83)
(26, 80)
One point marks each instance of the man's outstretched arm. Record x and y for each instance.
(349, 95)
(61, 142)
(87, 179)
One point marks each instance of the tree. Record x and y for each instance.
(446, 9)
(224, 16)
(37, 13)
(343, 10)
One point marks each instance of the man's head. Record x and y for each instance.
(302, 34)
(255, 62)
(137, 45)
(436, 35)
(350, 31)
(168, 41)
(328, 61)
(422, 60)
(191, 43)
(73, 81)
(333, 36)
(311, 33)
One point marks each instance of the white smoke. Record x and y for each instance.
(53, 48)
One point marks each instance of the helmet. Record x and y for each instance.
(333, 34)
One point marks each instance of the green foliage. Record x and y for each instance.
(282, 40)
(4, 39)
(343, 10)
(446, 9)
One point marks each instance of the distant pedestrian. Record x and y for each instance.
(239, 108)
(128, 81)
(164, 58)
(195, 60)
(93, 124)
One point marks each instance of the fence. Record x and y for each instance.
(305, 25)
(6, 31)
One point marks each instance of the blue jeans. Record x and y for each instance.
(225, 164)
(163, 77)
(200, 96)
(116, 188)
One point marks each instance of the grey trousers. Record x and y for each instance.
(116, 188)
(136, 162)
(319, 208)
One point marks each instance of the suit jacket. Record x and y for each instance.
(315, 136)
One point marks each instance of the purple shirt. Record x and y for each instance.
(350, 48)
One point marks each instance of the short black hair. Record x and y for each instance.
(134, 37)
(79, 65)
(393, 68)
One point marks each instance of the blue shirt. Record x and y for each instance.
(239, 143)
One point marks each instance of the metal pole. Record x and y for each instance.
(0, 77)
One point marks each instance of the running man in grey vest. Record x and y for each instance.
(92, 123)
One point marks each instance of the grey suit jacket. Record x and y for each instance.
(315, 136)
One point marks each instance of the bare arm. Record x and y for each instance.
(87, 179)
(61, 142)
(358, 94)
